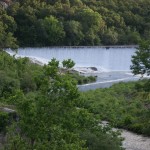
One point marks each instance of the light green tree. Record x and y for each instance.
(68, 64)
(54, 32)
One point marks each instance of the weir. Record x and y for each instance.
(112, 59)
(99, 46)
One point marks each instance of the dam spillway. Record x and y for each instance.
(113, 64)
(111, 59)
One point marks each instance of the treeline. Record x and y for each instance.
(76, 22)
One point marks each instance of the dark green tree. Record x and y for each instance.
(141, 59)
(6, 38)
(141, 64)
(68, 64)
(74, 34)
(53, 31)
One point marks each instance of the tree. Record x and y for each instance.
(53, 31)
(53, 117)
(74, 34)
(92, 24)
(141, 64)
(110, 37)
(6, 38)
(141, 59)
(68, 64)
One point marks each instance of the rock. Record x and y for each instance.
(7, 110)
(11, 113)
(93, 68)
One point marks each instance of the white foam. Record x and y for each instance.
(87, 70)
(37, 60)
(138, 75)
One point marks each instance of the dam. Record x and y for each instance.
(112, 59)
(113, 63)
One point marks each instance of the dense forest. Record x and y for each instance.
(75, 22)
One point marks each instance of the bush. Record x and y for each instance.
(124, 105)
(3, 121)
(7, 85)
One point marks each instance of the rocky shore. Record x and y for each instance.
(134, 141)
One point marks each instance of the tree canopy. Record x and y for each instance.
(76, 22)
(7, 28)
(141, 59)
(141, 64)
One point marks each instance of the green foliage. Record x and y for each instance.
(124, 105)
(75, 22)
(141, 59)
(7, 28)
(53, 29)
(6, 38)
(141, 65)
(17, 73)
(3, 121)
(83, 79)
(110, 36)
(49, 108)
(68, 64)
(74, 33)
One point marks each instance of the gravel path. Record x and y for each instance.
(135, 142)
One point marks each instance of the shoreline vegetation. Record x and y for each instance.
(124, 105)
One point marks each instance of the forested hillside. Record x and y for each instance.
(75, 22)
